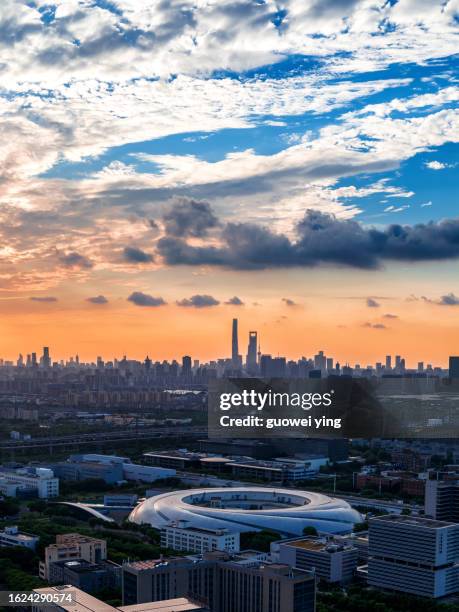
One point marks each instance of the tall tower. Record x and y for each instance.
(234, 346)
(251, 362)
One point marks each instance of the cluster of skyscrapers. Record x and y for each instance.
(253, 363)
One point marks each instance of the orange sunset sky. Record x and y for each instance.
(165, 167)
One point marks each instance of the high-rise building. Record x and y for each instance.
(388, 362)
(320, 361)
(46, 359)
(186, 366)
(234, 346)
(413, 555)
(454, 367)
(251, 361)
(441, 500)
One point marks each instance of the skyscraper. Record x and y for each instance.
(235, 346)
(454, 367)
(186, 366)
(251, 361)
(46, 359)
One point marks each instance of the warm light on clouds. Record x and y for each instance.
(166, 166)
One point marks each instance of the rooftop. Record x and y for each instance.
(417, 521)
(181, 604)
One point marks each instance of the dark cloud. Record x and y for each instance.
(371, 303)
(388, 315)
(98, 299)
(189, 218)
(374, 325)
(235, 301)
(46, 298)
(134, 255)
(289, 302)
(143, 299)
(75, 260)
(449, 300)
(199, 301)
(321, 238)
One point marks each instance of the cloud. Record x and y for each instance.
(143, 299)
(47, 298)
(235, 301)
(371, 303)
(388, 315)
(75, 260)
(449, 300)
(134, 255)
(436, 165)
(289, 302)
(189, 218)
(198, 301)
(320, 239)
(98, 299)
(374, 325)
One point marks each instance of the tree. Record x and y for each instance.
(310, 531)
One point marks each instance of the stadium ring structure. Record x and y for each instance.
(248, 509)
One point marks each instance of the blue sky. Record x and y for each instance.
(263, 150)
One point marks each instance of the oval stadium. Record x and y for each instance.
(248, 509)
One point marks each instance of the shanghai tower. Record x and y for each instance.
(234, 346)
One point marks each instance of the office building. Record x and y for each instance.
(182, 536)
(72, 547)
(11, 536)
(441, 499)
(226, 583)
(454, 367)
(76, 469)
(120, 499)
(39, 481)
(252, 361)
(235, 345)
(414, 555)
(186, 366)
(80, 601)
(333, 560)
(46, 359)
(90, 577)
(110, 468)
(281, 469)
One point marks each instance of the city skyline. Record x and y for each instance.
(164, 170)
(244, 355)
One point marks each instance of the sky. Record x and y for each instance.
(167, 166)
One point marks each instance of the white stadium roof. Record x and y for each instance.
(248, 509)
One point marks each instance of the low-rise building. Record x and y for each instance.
(76, 600)
(11, 536)
(120, 499)
(226, 583)
(90, 577)
(39, 481)
(182, 536)
(72, 547)
(110, 468)
(279, 469)
(333, 560)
